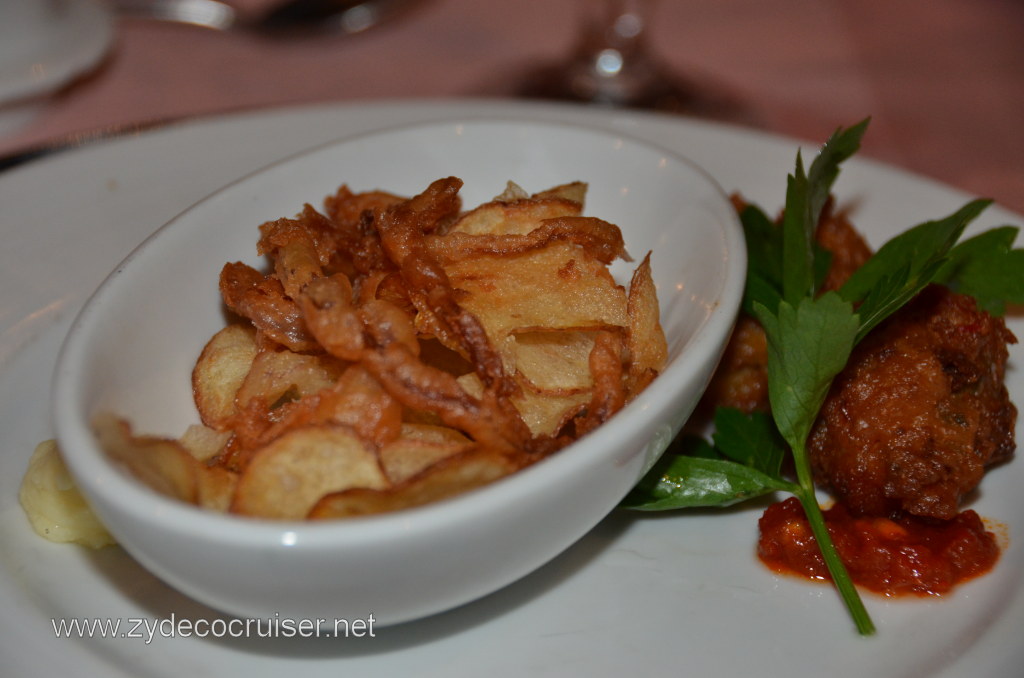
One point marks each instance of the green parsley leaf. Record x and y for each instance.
(988, 269)
(806, 195)
(680, 481)
(807, 346)
(764, 259)
(751, 440)
(798, 234)
(904, 265)
(744, 463)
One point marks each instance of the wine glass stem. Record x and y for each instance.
(617, 24)
(610, 63)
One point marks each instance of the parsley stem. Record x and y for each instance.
(840, 576)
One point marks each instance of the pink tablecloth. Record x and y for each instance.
(943, 80)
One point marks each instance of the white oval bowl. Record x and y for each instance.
(132, 348)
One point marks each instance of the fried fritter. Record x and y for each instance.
(919, 412)
(741, 381)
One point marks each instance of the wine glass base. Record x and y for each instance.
(658, 91)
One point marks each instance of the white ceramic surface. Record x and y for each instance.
(46, 43)
(638, 595)
(131, 351)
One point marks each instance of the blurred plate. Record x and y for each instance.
(44, 44)
(669, 595)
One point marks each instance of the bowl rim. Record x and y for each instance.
(92, 468)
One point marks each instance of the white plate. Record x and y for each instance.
(669, 595)
(46, 43)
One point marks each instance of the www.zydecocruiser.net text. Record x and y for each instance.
(148, 629)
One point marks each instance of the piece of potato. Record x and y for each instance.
(164, 465)
(548, 413)
(559, 286)
(203, 442)
(554, 362)
(219, 372)
(543, 413)
(576, 191)
(646, 339)
(514, 212)
(278, 376)
(215, 488)
(419, 446)
(54, 506)
(287, 477)
(449, 477)
(607, 369)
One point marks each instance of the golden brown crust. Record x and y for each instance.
(919, 412)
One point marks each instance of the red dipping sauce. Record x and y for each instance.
(903, 556)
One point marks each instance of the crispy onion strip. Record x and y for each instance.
(403, 229)
(263, 301)
(600, 239)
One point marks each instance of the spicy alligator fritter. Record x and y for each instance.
(919, 411)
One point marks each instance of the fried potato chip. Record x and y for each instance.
(545, 414)
(166, 465)
(449, 477)
(556, 287)
(220, 371)
(609, 393)
(576, 191)
(433, 434)
(555, 362)
(277, 376)
(646, 339)
(548, 413)
(519, 216)
(215, 488)
(512, 192)
(203, 442)
(162, 464)
(419, 446)
(287, 477)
